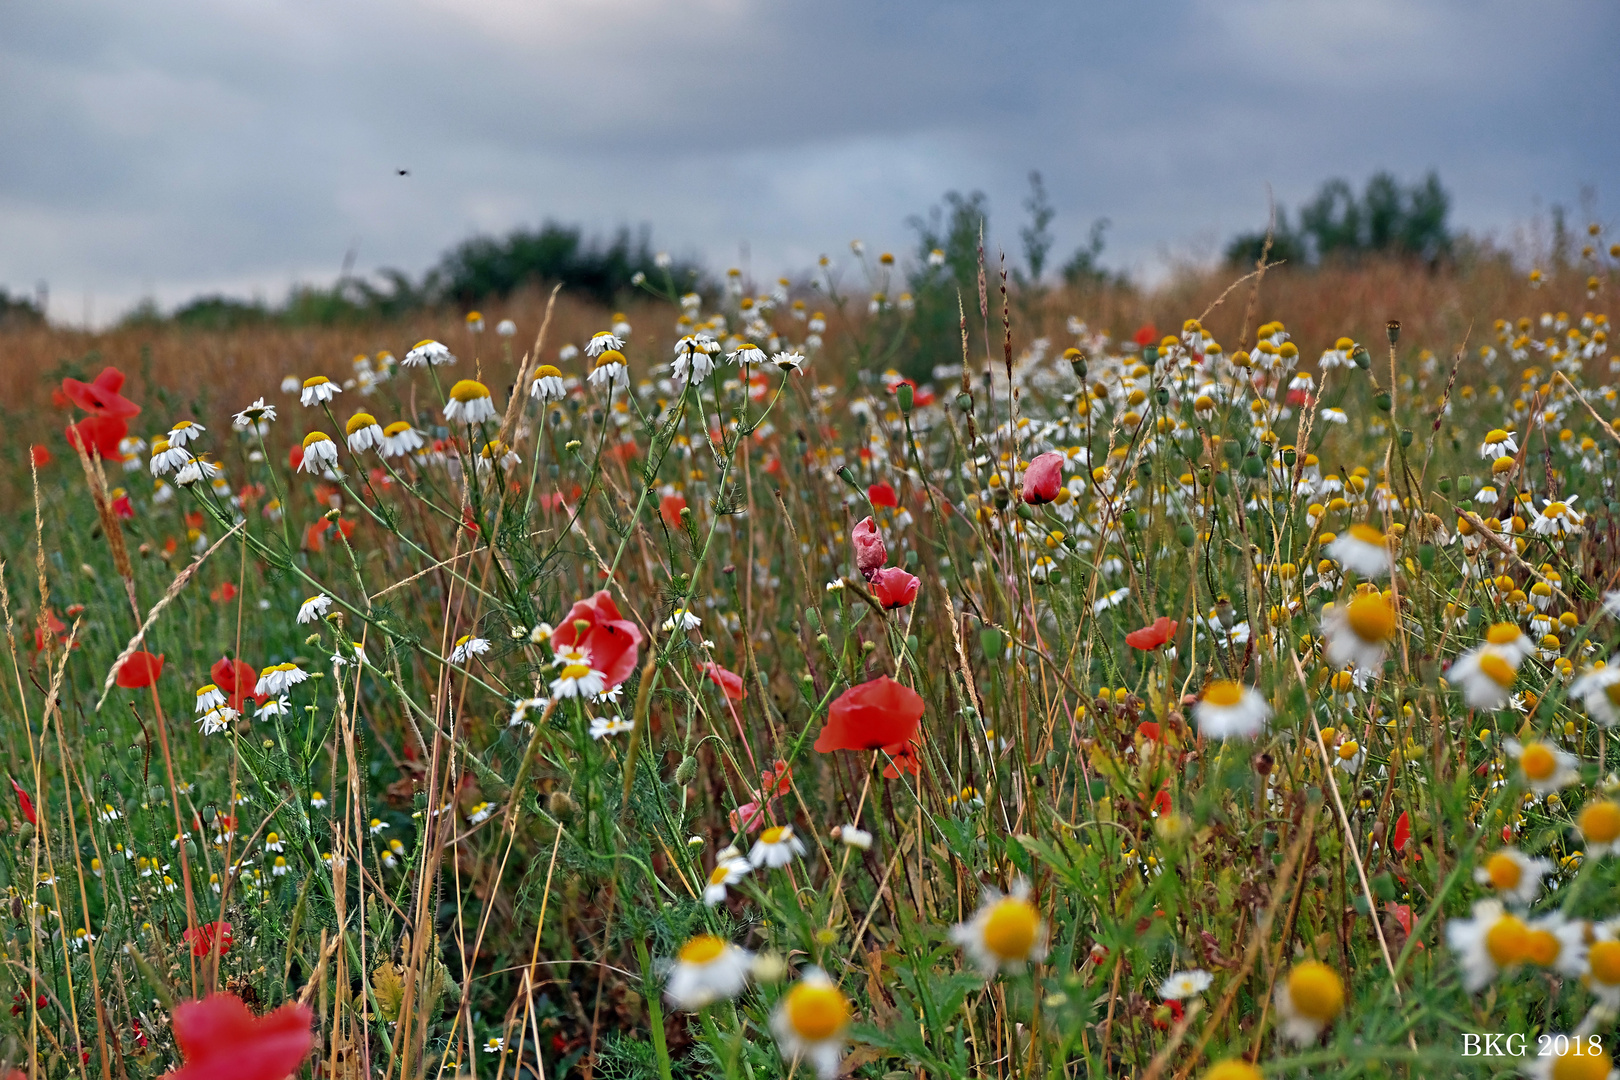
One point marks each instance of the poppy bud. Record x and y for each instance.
(560, 805)
(964, 402)
(870, 552)
(687, 770)
(1043, 478)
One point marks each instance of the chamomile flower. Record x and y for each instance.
(506, 328)
(602, 726)
(196, 469)
(610, 370)
(274, 842)
(1545, 767)
(1499, 442)
(318, 390)
(789, 360)
(481, 813)
(108, 813)
(548, 384)
(852, 836)
(810, 1021)
(729, 868)
(1569, 1057)
(1228, 709)
(1557, 944)
(314, 608)
(1559, 517)
(320, 452)
(747, 353)
(1490, 942)
(1185, 984)
(497, 451)
(1486, 672)
(467, 646)
(776, 847)
(363, 432)
(1358, 633)
(1309, 1000)
(1514, 876)
(399, 439)
(1603, 966)
(469, 403)
(603, 341)
(1599, 692)
(279, 706)
(277, 679)
(166, 458)
(1349, 756)
(694, 358)
(522, 707)
(256, 413)
(578, 681)
(1361, 548)
(317, 800)
(1005, 933)
(209, 698)
(1599, 825)
(681, 619)
(216, 721)
(428, 352)
(184, 431)
(706, 969)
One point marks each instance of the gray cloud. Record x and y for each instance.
(176, 146)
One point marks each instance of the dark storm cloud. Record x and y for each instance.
(174, 146)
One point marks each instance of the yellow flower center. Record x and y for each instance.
(1542, 947)
(1223, 692)
(774, 834)
(1010, 928)
(1587, 1066)
(316, 381)
(816, 1012)
(206, 688)
(1600, 821)
(468, 389)
(398, 427)
(1555, 509)
(717, 876)
(1371, 617)
(1496, 435)
(1604, 958)
(1316, 991)
(359, 421)
(576, 671)
(1349, 750)
(1232, 1069)
(547, 371)
(315, 437)
(1504, 871)
(1498, 670)
(702, 949)
(1505, 941)
(1538, 761)
(1367, 534)
(1502, 633)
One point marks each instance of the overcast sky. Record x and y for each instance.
(166, 147)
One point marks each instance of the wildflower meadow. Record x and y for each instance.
(1211, 683)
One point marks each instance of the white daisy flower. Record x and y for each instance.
(428, 352)
(277, 679)
(706, 969)
(789, 360)
(1308, 1001)
(497, 451)
(810, 1021)
(274, 707)
(578, 681)
(467, 647)
(320, 453)
(601, 342)
(209, 698)
(1185, 984)
(506, 328)
(317, 800)
(1599, 692)
(1599, 826)
(610, 370)
(481, 813)
(1486, 674)
(469, 403)
(184, 431)
(314, 608)
(1499, 442)
(363, 432)
(1363, 549)
(194, 470)
(1513, 875)
(319, 390)
(399, 439)
(108, 813)
(1487, 944)
(1544, 766)
(1558, 517)
(522, 707)
(1603, 965)
(256, 413)
(747, 353)
(548, 384)
(1228, 709)
(217, 721)
(273, 842)
(602, 726)
(1570, 1057)
(166, 458)
(853, 836)
(681, 619)
(729, 868)
(1005, 933)
(1349, 756)
(1358, 633)
(776, 847)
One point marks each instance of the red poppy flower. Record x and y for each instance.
(1148, 730)
(295, 458)
(100, 434)
(39, 455)
(1161, 804)
(100, 397)
(122, 507)
(54, 625)
(1403, 833)
(236, 679)
(1043, 478)
(776, 780)
(596, 626)
(139, 669)
(202, 939)
(729, 681)
(1146, 334)
(670, 507)
(223, 594)
(25, 803)
(881, 495)
(876, 715)
(1153, 637)
(869, 550)
(893, 587)
(221, 1039)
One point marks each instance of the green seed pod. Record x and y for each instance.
(990, 642)
(1406, 436)
(904, 396)
(964, 402)
(1186, 535)
(686, 772)
(1393, 329)
(1383, 402)
(813, 617)
(1253, 468)
(1223, 483)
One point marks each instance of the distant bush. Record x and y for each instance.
(1387, 219)
(487, 266)
(17, 311)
